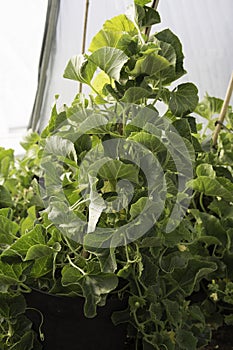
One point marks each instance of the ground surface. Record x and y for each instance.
(222, 339)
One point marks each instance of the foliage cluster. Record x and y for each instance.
(178, 283)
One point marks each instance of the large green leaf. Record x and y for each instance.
(116, 169)
(5, 198)
(209, 106)
(38, 251)
(186, 340)
(10, 274)
(29, 239)
(168, 37)
(146, 16)
(142, 2)
(42, 265)
(205, 169)
(28, 223)
(110, 60)
(138, 207)
(25, 343)
(184, 99)
(11, 306)
(102, 239)
(8, 230)
(6, 160)
(187, 278)
(105, 38)
(135, 94)
(61, 148)
(79, 69)
(150, 141)
(151, 65)
(210, 226)
(216, 187)
(122, 24)
(94, 286)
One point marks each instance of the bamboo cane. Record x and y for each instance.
(153, 6)
(84, 33)
(223, 111)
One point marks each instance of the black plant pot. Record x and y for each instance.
(66, 328)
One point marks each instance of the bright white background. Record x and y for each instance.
(21, 32)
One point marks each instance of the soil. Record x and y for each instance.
(222, 339)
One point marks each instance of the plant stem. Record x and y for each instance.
(75, 266)
(159, 93)
(201, 202)
(41, 322)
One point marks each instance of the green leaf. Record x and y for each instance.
(80, 69)
(38, 251)
(21, 246)
(170, 38)
(205, 170)
(99, 82)
(28, 223)
(10, 275)
(5, 198)
(11, 306)
(151, 17)
(135, 94)
(102, 239)
(138, 207)
(6, 161)
(110, 60)
(141, 2)
(62, 148)
(94, 286)
(228, 319)
(105, 38)
(221, 208)
(150, 141)
(120, 23)
(187, 278)
(42, 265)
(183, 128)
(211, 226)
(151, 65)
(215, 187)
(186, 340)
(174, 314)
(8, 230)
(25, 343)
(184, 99)
(107, 259)
(116, 169)
(30, 139)
(209, 106)
(7, 213)
(147, 16)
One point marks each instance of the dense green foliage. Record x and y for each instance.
(56, 233)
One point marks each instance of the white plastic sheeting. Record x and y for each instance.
(21, 33)
(69, 43)
(204, 27)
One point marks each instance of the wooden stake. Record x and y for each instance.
(153, 6)
(223, 111)
(84, 34)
